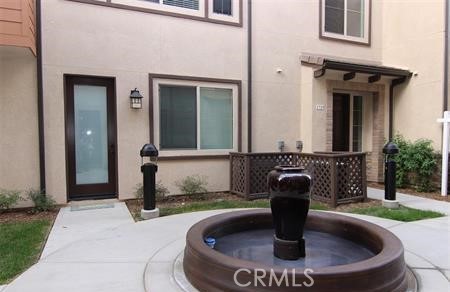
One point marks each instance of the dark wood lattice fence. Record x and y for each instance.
(337, 177)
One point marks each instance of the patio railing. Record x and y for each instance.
(337, 177)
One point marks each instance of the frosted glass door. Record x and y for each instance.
(91, 134)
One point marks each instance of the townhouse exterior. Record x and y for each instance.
(216, 77)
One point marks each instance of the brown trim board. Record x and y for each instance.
(166, 13)
(369, 41)
(238, 83)
(40, 101)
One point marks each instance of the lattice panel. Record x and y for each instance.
(349, 183)
(238, 174)
(349, 178)
(319, 169)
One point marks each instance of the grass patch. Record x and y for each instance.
(20, 246)
(404, 214)
(215, 205)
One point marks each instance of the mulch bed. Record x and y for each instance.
(26, 215)
(410, 191)
(135, 205)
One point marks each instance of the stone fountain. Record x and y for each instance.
(291, 249)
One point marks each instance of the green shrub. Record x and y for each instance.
(8, 198)
(42, 202)
(416, 163)
(193, 184)
(161, 191)
(139, 191)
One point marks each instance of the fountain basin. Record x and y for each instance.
(344, 254)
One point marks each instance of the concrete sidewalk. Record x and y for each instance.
(415, 202)
(98, 247)
(140, 257)
(82, 219)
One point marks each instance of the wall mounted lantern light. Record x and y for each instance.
(299, 145)
(281, 145)
(135, 99)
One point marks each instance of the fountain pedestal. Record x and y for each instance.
(289, 190)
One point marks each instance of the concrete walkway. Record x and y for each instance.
(411, 201)
(85, 218)
(99, 248)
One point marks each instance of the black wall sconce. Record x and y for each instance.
(135, 99)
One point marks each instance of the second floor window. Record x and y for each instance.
(346, 19)
(189, 4)
(222, 7)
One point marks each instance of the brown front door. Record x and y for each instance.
(90, 137)
(341, 121)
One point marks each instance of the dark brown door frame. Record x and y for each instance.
(90, 191)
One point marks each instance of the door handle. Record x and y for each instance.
(112, 148)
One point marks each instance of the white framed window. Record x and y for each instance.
(346, 20)
(224, 10)
(195, 118)
(223, 7)
(187, 7)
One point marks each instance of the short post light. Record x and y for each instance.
(135, 99)
(149, 170)
(390, 167)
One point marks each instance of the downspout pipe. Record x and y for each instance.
(445, 85)
(249, 76)
(393, 84)
(40, 93)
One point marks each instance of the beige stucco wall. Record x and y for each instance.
(283, 103)
(417, 42)
(19, 156)
(128, 45)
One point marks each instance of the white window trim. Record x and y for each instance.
(188, 152)
(234, 17)
(163, 7)
(345, 37)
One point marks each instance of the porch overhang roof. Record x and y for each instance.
(351, 68)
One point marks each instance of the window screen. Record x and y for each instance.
(178, 117)
(334, 16)
(216, 118)
(222, 7)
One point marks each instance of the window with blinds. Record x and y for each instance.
(195, 118)
(346, 19)
(189, 4)
(222, 7)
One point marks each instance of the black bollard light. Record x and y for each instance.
(390, 150)
(149, 170)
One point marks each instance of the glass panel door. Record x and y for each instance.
(91, 134)
(91, 137)
(357, 125)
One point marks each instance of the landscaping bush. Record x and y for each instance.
(8, 198)
(42, 202)
(193, 184)
(416, 163)
(161, 191)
